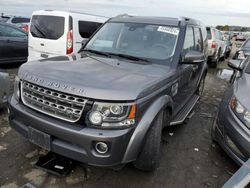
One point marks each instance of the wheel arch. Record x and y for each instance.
(136, 140)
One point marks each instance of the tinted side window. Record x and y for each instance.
(198, 40)
(217, 35)
(86, 29)
(189, 39)
(47, 27)
(20, 20)
(209, 34)
(6, 31)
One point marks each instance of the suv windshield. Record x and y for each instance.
(153, 42)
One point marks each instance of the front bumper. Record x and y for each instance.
(69, 140)
(232, 135)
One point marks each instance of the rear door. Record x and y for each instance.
(14, 44)
(48, 36)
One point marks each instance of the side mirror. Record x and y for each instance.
(236, 65)
(193, 57)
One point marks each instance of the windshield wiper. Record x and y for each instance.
(130, 57)
(96, 52)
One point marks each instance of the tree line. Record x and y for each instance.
(232, 28)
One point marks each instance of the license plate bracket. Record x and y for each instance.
(40, 138)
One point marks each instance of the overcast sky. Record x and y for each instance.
(211, 12)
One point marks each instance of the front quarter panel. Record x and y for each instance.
(142, 128)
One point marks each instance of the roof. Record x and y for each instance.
(155, 20)
(65, 12)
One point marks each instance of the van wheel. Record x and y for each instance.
(149, 157)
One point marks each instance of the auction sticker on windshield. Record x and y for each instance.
(170, 30)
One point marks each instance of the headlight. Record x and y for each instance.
(242, 113)
(16, 88)
(112, 115)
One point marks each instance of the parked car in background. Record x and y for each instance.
(57, 33)
(231, 129)
(243, 51)
(136, 76)
(240, 37)
(21, 22)
(216, 46)
(228, 44)
(13, 44)
(4, 88)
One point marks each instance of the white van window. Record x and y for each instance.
(47, 27)
(86, 29)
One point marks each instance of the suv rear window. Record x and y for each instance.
(86, 29)
(47, 27)
(20, 20)
(209, 35)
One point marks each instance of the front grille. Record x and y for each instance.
(56, 104)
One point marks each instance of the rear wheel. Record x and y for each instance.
(149, 157)
(217, 60)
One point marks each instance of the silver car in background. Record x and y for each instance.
(4, 88)
(216, 46)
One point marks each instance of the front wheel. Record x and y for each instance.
(149, 157)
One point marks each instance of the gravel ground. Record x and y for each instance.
(189, 158)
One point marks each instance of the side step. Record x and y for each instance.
(182, 115)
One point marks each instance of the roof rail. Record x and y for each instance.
(124, 15)
(75, 12)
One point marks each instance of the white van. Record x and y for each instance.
(59, 33)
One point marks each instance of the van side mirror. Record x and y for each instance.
(236, 65)
(193, 57)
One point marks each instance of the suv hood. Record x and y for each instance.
(95, 77)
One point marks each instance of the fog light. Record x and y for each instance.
(101, 147)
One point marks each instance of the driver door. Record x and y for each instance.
(188, 74)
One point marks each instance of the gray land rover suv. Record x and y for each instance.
(136, 76)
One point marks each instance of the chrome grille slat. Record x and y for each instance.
(53, 103)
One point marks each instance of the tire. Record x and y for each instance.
(223, 58)
(213, 137)
(149, 157)
(216, 62)
(200, 89)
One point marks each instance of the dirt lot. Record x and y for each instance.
(189, 158)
